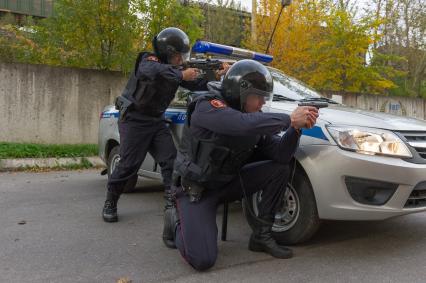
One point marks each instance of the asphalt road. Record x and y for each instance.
(52, 231)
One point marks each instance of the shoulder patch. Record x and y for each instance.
(216, 103)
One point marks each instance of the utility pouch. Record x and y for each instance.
(217, 157)
(193, 189)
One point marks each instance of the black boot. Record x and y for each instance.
(109, 212)
(262, 241)
(170, 220)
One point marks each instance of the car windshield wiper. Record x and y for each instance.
(282, 98)
(323, 99)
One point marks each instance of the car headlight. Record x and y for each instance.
(369, 141)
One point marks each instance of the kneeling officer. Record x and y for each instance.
(230, 149)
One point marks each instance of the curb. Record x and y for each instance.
(22, 163)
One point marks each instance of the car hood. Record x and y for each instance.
(342, 115)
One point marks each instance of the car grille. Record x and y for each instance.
(417, 197)
(418, 141)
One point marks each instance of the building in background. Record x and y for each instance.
(21, 9)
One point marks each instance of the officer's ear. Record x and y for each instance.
(176, 59)
(243, 106)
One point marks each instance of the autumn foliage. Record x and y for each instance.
(320, 43)
(325, 43)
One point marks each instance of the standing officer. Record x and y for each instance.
(230, 149)
(142, 124)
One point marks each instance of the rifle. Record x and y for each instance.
(207, 67)
(204, 64)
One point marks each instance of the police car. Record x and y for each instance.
(353, 165)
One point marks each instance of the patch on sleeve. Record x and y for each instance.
(216, 103)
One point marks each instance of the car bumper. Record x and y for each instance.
(328, 166)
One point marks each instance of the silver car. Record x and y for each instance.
(353, 165)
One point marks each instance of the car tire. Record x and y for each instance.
(113, 160)
(297, 219)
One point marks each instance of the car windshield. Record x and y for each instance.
(288, 88)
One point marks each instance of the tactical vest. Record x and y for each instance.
(150, 97)
(216, 159)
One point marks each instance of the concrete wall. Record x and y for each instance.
(45, 104)
(403, 106)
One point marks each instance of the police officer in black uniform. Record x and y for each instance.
(230, 149)
(142, 124)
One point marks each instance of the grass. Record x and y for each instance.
(26, 150)
(84, 164)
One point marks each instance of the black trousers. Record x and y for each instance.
(196, 233)
(139, 135)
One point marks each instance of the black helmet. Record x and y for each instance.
(169, 42)
(243, 78)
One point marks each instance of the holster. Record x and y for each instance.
(123, 105)
(194, 190)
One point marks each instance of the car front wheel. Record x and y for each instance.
(113, 161)
(296, 220)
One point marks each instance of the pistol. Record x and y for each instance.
(316, 104)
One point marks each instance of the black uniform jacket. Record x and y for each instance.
(165, 80)
(210, 119)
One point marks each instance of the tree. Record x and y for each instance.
(224, 22)
(156, 15)
(340, 56)
(321, 43)
(403, 45)
(99, 34)
(6, 46)
(13, 46)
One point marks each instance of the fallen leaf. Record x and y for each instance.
(124, 280)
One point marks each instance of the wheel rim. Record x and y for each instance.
(114, 162)
(288, 212)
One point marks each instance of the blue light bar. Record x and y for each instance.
(209, 47)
